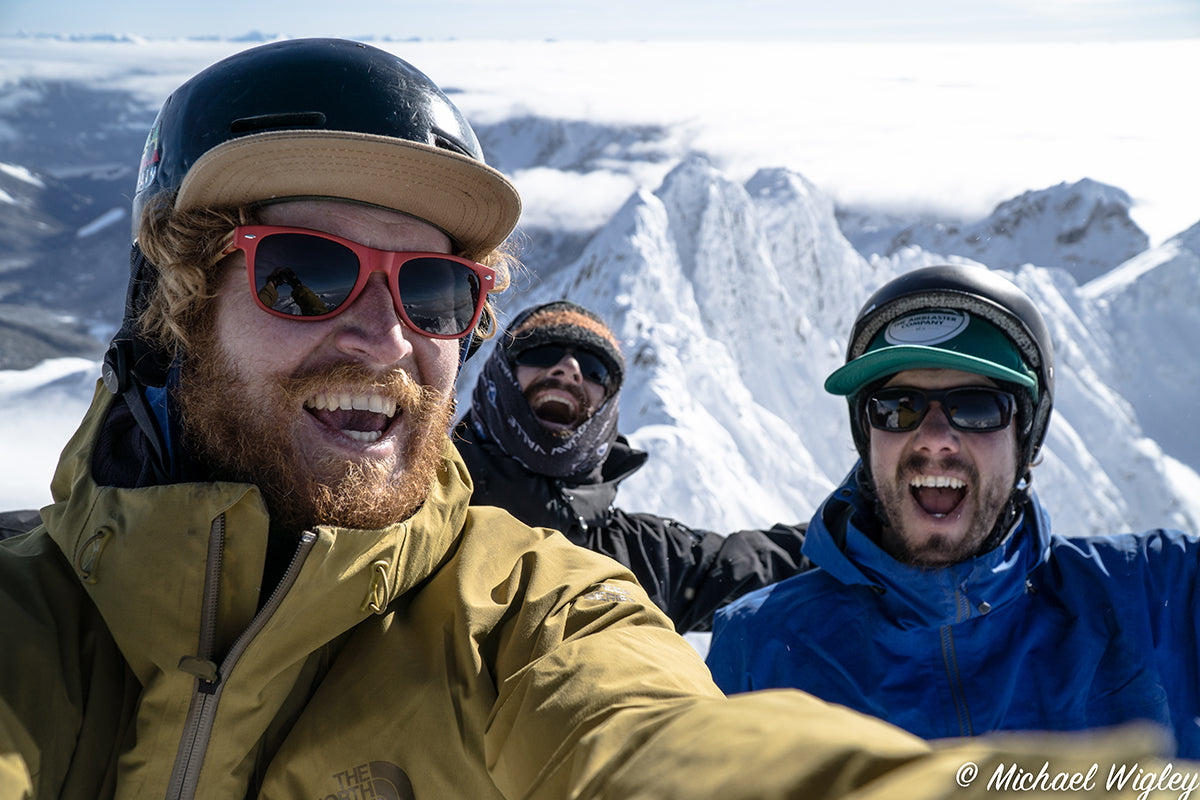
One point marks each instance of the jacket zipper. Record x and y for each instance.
(950, 662)
(206, 696)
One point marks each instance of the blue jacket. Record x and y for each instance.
(1044, 632)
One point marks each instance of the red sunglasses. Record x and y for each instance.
(302, 274)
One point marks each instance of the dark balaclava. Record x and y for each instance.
(503, 415)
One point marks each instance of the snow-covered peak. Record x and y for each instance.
(1083, 227)
(22, 174)
(1146, 311)
(733, 303)
(1123, 278)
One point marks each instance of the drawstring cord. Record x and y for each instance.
(379, 590)
(87, 558)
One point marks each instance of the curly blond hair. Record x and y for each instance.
(184, 249)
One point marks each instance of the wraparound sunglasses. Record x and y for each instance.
(302, 274)
(975, 409)
(591, 366)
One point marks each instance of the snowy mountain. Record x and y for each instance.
(733, 291)
(733, 303)
(1146, 311)
(1085, 228)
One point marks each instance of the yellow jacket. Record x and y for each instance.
(459, 654)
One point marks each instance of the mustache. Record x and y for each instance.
(917, 463)
(356, 378)
(576, 391)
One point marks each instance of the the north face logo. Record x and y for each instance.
(375, 780)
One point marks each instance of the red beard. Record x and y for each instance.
(248, 437)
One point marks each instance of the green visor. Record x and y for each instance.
(935, 339)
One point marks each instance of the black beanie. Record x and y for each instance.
(564, 322)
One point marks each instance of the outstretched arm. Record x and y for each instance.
(690, 573)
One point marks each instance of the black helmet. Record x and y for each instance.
(973, 304)
(307, 118)
(325, 118)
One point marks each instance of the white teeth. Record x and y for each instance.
(347, 402)
(364, 436)
(937, 482)
(553, 396)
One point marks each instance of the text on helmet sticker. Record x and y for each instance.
(926, 327)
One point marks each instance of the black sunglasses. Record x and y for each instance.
(974, 409)
(591, 366)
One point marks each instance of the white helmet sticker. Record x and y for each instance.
(926, 327)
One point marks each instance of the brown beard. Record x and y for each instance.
(989, 503)
(246, 437)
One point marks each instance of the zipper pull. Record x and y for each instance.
(199, 668)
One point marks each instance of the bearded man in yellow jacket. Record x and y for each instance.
(261, 576)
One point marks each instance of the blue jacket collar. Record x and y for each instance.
(921, 597)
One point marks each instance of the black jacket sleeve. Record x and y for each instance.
(691, 573)
(688, 573)
(14, 523)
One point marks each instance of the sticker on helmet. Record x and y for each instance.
(151, 154)
(926, 327)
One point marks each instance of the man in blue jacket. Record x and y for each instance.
(942, 602)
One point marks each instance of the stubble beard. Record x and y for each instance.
(243, 435)
(918, 548)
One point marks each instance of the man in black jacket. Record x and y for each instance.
(541, 441)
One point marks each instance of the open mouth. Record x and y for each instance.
(556, 408)
(362, 417)
(938, 495)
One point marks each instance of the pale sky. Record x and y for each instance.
(867, 20)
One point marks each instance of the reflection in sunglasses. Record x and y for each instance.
(974, 409)
(301, 274)
(304, 298)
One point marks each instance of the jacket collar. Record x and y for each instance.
(920, 597)
(622, 461)
(143, 555)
